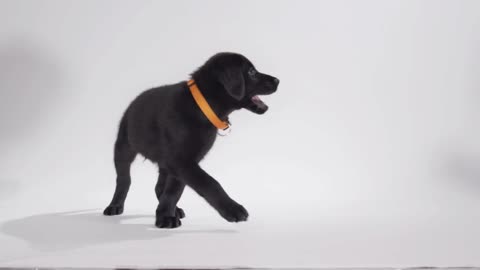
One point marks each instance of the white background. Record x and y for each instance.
(369, 155)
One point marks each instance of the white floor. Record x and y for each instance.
(33, 236)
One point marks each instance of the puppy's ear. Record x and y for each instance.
(232, 80)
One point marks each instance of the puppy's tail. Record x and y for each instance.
(122, 135)
(123, 149)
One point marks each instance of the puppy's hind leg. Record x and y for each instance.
(123, 158)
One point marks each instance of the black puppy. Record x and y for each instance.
(167, 126)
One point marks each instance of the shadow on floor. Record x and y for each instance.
(72, 230)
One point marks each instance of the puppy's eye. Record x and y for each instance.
(252, 73)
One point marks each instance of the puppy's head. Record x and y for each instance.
(242, 83)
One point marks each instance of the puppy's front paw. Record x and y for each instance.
(233, 212)
(168, 222)
(113, 210)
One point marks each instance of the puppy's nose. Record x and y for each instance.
(276, 81)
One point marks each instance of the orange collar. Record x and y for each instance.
(205, 108)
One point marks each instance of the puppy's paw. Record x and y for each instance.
(113, 210)
(233, 212)
(167, 222)
(179, 213)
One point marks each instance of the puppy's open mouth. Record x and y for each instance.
(257, 101)
(256, 105)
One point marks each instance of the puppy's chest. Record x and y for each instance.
(192, 143)
(204, 143)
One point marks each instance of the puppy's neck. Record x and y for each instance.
(215, 96)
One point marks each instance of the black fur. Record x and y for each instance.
(166, 126)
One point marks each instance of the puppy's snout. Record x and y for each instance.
(276, 81)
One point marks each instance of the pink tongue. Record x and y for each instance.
(258, 101)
